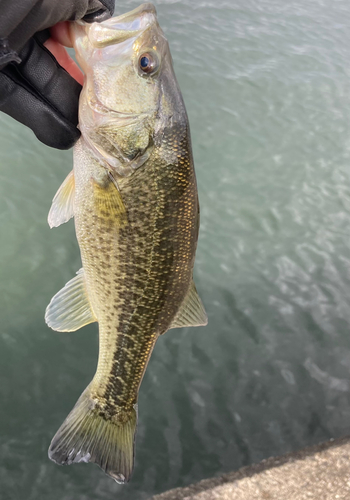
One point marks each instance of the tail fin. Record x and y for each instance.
(88, 436)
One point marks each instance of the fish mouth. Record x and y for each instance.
(121, 28)
(132, 16)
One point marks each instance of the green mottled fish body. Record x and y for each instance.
(138, 264)
(134, 199)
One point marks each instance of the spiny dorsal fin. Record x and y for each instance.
(191, 312)
(70, 308)
(62, 208)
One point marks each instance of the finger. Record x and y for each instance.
(20, 20)
(42, 95)
(64, 59)
(61, 33)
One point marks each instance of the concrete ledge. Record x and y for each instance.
(319, 472)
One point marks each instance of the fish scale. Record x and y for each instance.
(134, 199)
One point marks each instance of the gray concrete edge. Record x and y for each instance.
(251, 470)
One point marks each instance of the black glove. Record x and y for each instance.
(34, 88)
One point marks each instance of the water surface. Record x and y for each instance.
(267, 88)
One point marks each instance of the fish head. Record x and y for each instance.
(130, 92)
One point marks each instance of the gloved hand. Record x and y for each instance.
(34, 88)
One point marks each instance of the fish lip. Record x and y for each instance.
(144, 8)
(132, 14)
(120, 28)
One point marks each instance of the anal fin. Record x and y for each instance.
(191, 312)
(70, 308)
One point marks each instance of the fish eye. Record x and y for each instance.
(148, 63)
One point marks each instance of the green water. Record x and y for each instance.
(267, 88)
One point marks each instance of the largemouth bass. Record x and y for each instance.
(134, 199)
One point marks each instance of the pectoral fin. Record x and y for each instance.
(70, 308)
(62, 208)
(192, 312)
(108, 200)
